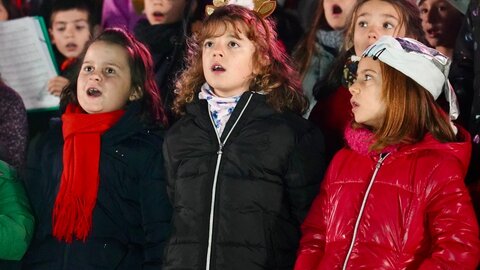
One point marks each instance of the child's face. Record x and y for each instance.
(104, 81)
(375, 18)
(70, 31)
(164, 11)
(368, 106)
(440, 22)
(228, 62)
(337, 12)
(3, 13)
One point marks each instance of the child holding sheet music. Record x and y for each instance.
(70, 28)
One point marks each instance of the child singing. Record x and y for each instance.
(96, 179)
(394, 197)
(243, 165)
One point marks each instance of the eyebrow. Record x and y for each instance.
(366, 70)
(75, 21)
(229, 35)
(368, 14)
(107, 63)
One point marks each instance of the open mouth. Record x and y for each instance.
(71, 46)
(217, 68)
(432, 31)
(354, 104)
(337, 10)
(158, 15)
(93, 92)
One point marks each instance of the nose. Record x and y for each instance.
(218, 53)
(218, 50)
(432, 15)
(95, 76)
(353, 89)
(69, 31)
(373, 33)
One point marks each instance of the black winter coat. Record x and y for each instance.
(166, 45)
(240, 206)
(465, 78)
(132, 214)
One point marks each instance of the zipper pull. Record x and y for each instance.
(220, 147)
(383, 156)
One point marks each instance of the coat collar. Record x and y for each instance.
(198, 109)
(360, 139)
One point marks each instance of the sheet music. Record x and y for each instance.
(25, 63)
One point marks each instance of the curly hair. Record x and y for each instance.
(277, 78)
(141, 68)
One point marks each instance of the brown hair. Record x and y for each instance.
(277, 78)
(409, 18)
(411, 112)
(141, 71)
(307, 47)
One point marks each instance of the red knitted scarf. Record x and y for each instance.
(67, 63)
(72, 213)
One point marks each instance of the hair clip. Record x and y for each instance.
(263, 7)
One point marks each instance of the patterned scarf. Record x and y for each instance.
(76, 198)
(220, 108)
(332, 39)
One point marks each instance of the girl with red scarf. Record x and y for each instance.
(96, 179)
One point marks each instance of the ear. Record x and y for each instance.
(135, 94)
(52, 39)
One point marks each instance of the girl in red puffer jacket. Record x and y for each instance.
(394, 197)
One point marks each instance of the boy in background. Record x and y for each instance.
(441, 21)
(71, 25)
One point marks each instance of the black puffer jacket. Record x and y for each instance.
(166, 45)
(131, 218)
(240, 207)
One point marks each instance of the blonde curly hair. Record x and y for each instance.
(276, 76)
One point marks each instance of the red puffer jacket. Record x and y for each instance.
(405, 209)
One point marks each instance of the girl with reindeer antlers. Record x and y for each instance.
(243, 165)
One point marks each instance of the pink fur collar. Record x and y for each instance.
(360, 139)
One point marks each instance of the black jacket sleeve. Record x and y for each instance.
(305, 172)
(156, 211)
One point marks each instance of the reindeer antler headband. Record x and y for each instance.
(263, 7)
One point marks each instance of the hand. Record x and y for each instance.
(56, 84)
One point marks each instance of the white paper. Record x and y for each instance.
(25, 62)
